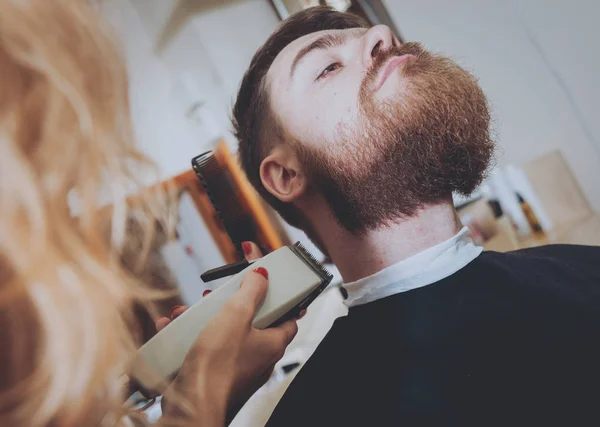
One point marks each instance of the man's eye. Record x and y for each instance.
(330, 68)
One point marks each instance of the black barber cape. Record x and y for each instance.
(511, 339)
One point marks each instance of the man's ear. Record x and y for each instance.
(281, 174)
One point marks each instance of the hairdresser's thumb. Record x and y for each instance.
(252, 292)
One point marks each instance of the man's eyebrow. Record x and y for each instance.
(323, 42)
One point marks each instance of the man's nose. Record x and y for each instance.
(376, 40)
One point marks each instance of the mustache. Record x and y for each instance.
(410, 48)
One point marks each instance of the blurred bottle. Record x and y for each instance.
(532, 219)
(520, 184)
(509, 202)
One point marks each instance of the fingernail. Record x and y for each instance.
(247, 248)
(302, 314)
(177, 307)
(206, 292)
(263, 272)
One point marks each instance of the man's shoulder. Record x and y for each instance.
(547, 259)
(555, 272)
(580, 253)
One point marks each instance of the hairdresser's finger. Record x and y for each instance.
(251, 251)
(301, 315)
(161, 323)
(288, 331)
(177, 311)
(280, 337)
(252, 293)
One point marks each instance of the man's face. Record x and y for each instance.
(382, 129)
(316, 80)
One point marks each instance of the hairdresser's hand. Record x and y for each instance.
(230, 359)
(251, 253)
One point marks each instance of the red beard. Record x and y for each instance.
(410, 152)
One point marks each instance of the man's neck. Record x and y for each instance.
(357, 257)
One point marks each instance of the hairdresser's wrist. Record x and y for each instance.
(198, 396)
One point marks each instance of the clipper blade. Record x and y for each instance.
(299, 249)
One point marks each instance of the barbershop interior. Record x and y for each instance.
(528, 72)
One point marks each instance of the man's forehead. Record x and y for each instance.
(283, 61)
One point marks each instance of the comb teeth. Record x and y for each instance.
(212, 177)
(300, 250)
(220, 191)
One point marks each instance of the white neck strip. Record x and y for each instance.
(422, 269)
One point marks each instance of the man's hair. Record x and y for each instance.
(255, 124)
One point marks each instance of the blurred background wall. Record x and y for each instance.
(180, 54)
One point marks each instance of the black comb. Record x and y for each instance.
(238, 224)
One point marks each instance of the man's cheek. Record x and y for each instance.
(304, 119)
(347, 117)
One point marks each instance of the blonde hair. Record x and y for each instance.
(65, 301)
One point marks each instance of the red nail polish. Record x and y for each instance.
(206, 292)
(247, 248)
(263, 272)
(173, 310)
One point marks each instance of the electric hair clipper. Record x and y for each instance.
(296, 278)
